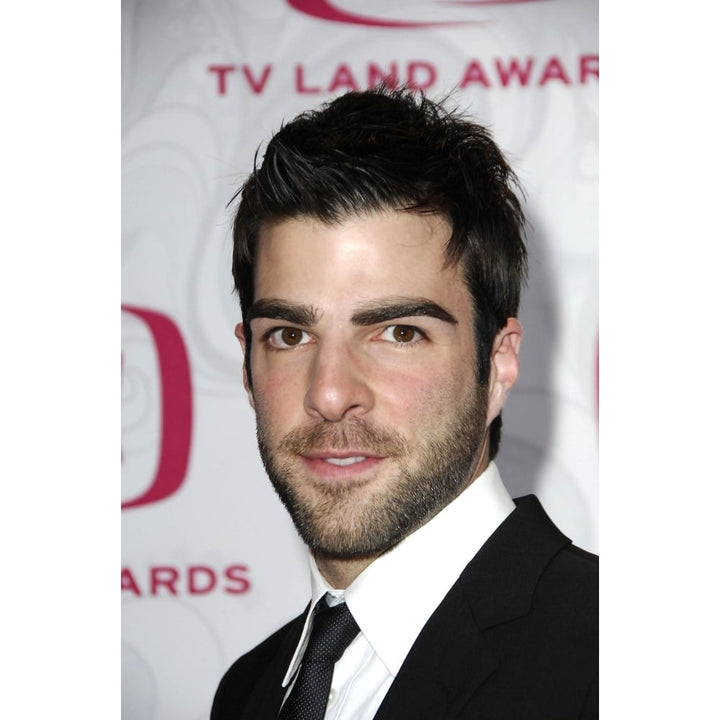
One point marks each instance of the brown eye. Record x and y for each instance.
(291, 336)
(287, 337)
(403, 333)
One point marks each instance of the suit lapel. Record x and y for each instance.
(267, 696)
(448, 660)
(451, 659)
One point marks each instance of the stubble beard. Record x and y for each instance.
(344, 521)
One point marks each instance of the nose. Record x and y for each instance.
(338, 387)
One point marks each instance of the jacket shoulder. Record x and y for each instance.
(573, 574)
(564, 606)
(550, 648)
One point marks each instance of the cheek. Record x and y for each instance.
(278, 400)
(276, 380)
(414, 401)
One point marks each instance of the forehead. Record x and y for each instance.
(365, 256)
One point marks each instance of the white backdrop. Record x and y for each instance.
(211, 564)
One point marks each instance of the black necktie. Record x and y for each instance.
(334, 628)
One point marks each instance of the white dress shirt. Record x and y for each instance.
(393, 598)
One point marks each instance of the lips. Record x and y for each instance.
(351, 452)
(337, 465)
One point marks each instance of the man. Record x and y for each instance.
(379, 257)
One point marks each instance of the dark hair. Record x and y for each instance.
(386, 149)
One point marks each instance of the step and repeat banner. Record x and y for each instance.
(210, 562)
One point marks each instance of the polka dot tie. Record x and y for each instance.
(334, 628)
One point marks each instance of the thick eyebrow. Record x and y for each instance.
(294, 313)
(378, 311)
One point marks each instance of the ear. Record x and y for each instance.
(240, 335)
(504, 366)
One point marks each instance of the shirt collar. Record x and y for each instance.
(393, 598)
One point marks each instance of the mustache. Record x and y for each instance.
(353, 434)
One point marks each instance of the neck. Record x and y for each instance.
(339, 573)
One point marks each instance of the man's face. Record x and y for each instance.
(370, 419)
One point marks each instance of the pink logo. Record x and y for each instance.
(190, 580)
(324, 10)
(176, 407)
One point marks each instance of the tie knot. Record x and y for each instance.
(334, 628)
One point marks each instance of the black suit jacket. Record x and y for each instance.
(515, 638)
